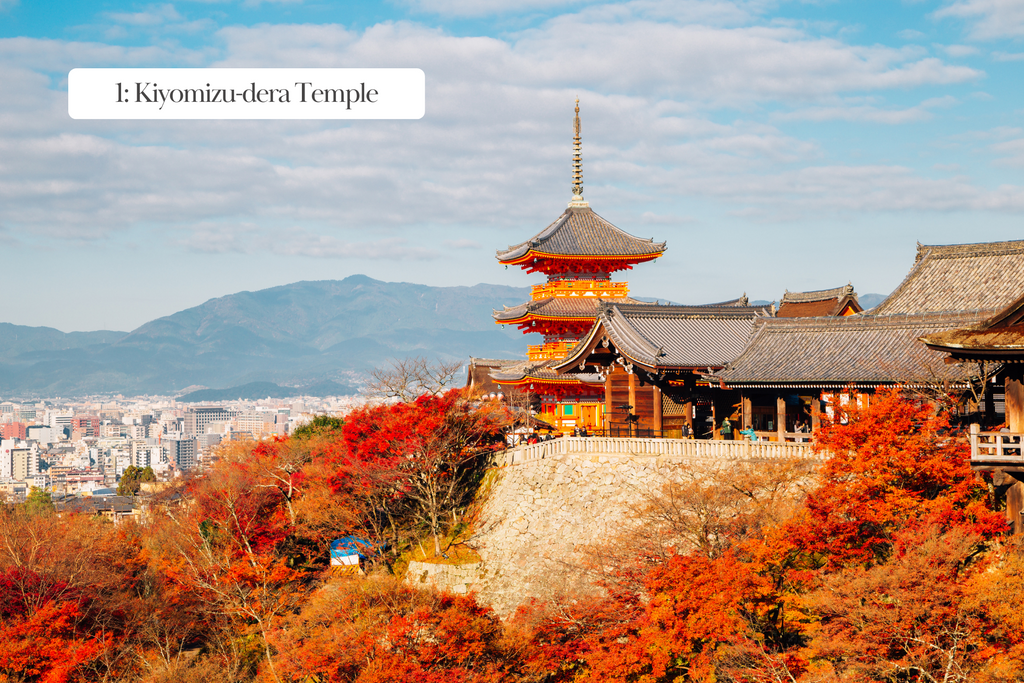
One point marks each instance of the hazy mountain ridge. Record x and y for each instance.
(295, 334)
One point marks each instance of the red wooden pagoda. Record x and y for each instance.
(578, 253)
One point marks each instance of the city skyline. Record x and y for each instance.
(772, 145)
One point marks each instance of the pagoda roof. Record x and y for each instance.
(1000, 337)
(478, 373)
(669, 336)
(959, 277)
(579, 231)
(818, 303)
(860, 350)
(558, 307)
(540, 371)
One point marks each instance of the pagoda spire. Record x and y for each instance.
(577, 162)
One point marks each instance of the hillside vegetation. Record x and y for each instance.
(890, 566)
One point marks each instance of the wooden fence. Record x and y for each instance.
(995, 447)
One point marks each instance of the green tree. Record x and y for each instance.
(38, 502)
(132, 479)
(320, 425)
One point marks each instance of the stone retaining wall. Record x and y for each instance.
(541, 515)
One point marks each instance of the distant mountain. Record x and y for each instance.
(296, 334)
(16, 340)
(257, 390)
(868, 301)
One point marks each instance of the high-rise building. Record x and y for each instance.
(198, 419)
(181, 451)
(13, 430)
(24, 463)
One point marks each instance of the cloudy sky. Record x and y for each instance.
(775, 145)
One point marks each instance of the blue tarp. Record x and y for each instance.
(351, 545)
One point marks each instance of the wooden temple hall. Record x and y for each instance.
(617, 366)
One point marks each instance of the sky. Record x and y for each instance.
(774, 145)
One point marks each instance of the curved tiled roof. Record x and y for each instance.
(540, 371)
(672, 336)
(818, 295)
(579, 231)
(959, 277)
(559, 307)
(837, 351)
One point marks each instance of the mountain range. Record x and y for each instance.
(298, 335)
(307, 337)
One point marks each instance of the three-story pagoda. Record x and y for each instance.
(578, 253)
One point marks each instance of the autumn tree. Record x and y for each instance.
(425, 454)
(406, 379)
(893, 464)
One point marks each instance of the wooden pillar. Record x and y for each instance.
(1015, 505)
(632, 399)
(1015, 401)
(780, 418)
(747, 411)
(688, 410)
(657, 409)
(815, 414)
(608, 402)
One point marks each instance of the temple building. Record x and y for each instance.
(995, 348)
(578, 253)
(651, 359)
(839, 301)
(795, 369)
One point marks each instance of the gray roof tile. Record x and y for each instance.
(579, 231)
(836, 351)
(959, 277)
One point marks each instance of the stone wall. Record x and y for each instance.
(541, 515)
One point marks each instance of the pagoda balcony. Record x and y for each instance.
(604, 289)
(550, 350)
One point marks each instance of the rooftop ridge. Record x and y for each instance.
(707, 311)
(817, 295)
(941, 318)
(968, 250)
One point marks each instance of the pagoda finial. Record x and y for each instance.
(577, 161)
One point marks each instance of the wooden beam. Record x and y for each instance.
(748, 412)
(815, 414)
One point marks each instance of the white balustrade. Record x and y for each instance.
(682, 448)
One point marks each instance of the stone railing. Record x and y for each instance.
(680, 448)
(996, 447)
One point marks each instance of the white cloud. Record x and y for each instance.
(1011, 152)
(1008, 56)
(988, 19)
(959, 50)
(497, 130)
(462, 244)
(480, 8)
(217, 238)
(154, 15)
(870, 114)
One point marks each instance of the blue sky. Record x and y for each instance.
(774, 145)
